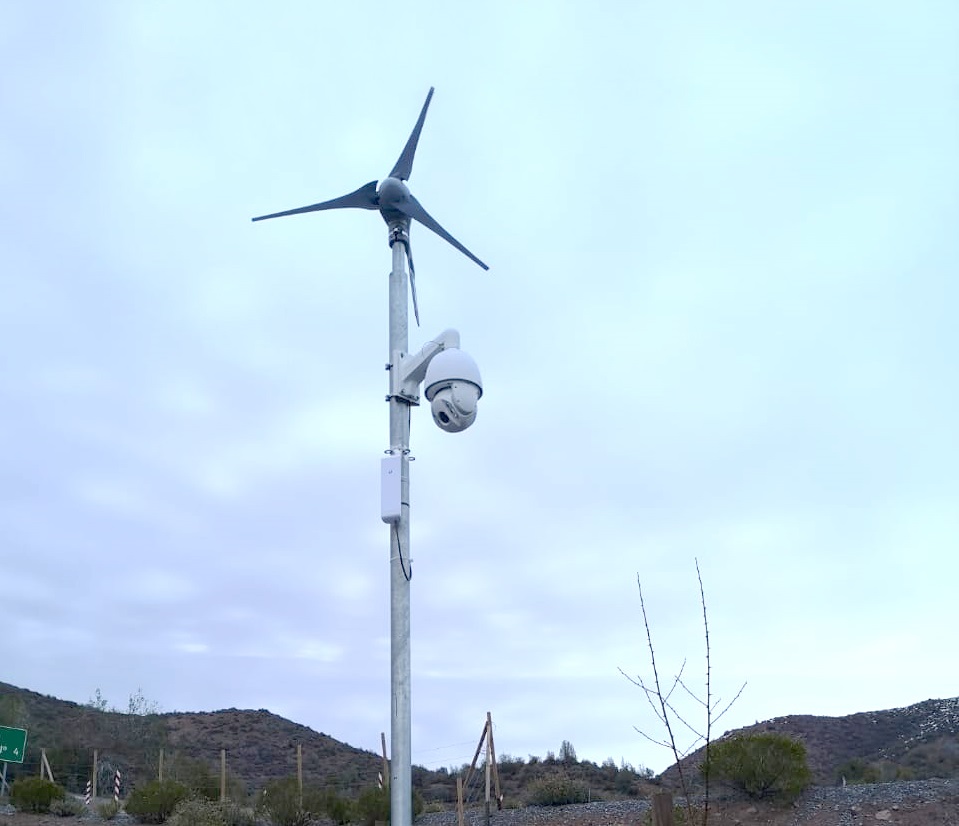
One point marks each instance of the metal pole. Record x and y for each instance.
(401, 791)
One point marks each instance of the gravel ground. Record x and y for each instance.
(621, 811)
(914, 803)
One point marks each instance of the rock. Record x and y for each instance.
(884, 814)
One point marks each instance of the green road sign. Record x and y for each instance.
(13, 743)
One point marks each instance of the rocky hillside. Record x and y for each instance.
(260, 746)
(914, 742)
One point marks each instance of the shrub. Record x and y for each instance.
(761, 765)
(197, 811)
(155, 802)
(236, 815)
(338, 808)
(108, 810)
(626, 783)
(197, 776)
(857, 771)
(67, 807)
(35, 794)
(557, 790)
(280, 802)
(201, 811)
(373, 804)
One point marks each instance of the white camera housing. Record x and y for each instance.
(453, 387)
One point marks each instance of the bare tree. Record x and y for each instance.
(664, 707)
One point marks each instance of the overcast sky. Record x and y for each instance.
(720, 322)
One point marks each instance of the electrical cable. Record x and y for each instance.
(407, 572)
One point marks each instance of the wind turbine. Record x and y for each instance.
(452, 386)
(394, 201)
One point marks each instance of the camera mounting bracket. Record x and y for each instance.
(408, 371)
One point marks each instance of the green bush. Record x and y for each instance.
(108, 810)
(280, 802)
(197, 811)
(557, 790)
(67, 807)
(373, 804)
(339, 809)
(761, 765)
(35, 794)
(196, 775)
(857, 771)
(201, 811)
(155, 802)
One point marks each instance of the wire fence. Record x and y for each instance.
(209, 771)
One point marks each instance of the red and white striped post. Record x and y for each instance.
(116, 788)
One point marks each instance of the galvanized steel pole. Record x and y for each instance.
(401, 789)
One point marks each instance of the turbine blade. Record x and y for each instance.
(416, 307)
(414, 210)
(404, 166)
(362, 198)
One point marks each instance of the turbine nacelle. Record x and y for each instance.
(392, 196)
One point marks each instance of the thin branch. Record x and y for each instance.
(650, 693)
(693, 694)
(679, 717)
(662, 743)
(709, 711)
(677, 681)
(662, 703)
(666, 712)
(718, 717)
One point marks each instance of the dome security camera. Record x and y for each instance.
(453, 387)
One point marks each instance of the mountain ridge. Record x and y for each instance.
(916, 741)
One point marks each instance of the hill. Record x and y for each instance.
(914, 742)
(918, 741)
(259, 747)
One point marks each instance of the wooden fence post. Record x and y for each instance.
(93, 791)
(492, 752)
(663, 809)
(299, 772)
(45, 766)
(460, 814)
(386, 761)
(222, 775)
